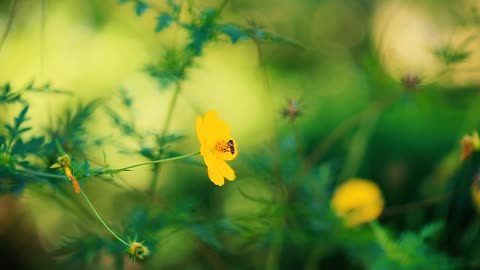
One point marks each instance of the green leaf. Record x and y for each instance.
(6, 96)
(449, 55)
(163, 21)
(33, 146)
(431, 229)
(140, 8)
(234, 32)
(21, 117)
(206, 234)
(261, 35)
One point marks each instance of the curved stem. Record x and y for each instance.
(101, 219)
(154, 162)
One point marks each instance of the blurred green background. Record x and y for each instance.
(386, 90)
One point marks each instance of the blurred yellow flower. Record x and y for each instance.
(216, 146)
(138, 250)
(470, 144)
(64, 163)
(358, 201)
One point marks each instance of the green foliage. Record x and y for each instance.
(411, 251)
(172, 68)
(7, 96)
(203, 28)
(70, 129)
(449, 55)
(278, 214)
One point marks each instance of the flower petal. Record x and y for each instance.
(215, 176)
(225, 170)
(200, 130)
(209, 121)
(221, 128)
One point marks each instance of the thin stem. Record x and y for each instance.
(154, 162)
(165, 129)
(272, 261)
(11, 15)
(101, 219)
(113, 171)
(347, 125)
(171, 107)
(269, 93)
(49, 175)
(153, 183)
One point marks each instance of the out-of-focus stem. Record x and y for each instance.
(166, 127)
(11, 15)
(101, 219)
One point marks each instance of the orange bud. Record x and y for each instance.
(68, 173)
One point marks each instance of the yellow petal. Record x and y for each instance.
(55, 165)
(225, 170)
(200, 129)
(221, 128)
(215, 176)
(209, 121)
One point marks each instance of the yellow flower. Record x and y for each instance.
(138, 250)
(216, 146)
(470, 144)
(64, 163)
(358, 201)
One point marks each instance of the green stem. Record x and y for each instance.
(347, 125)
(49, 175)
(171, 107)
(152, 162)
(166, 126)
(114, 171)
(101, 219)
(84, 196)
(272, 261)
(153, 183)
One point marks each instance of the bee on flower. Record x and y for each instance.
(216, 147)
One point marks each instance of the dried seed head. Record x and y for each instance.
(292, 109)
(410, 81)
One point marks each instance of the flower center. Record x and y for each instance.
(225, 146)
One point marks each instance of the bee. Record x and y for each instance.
(231, 146)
